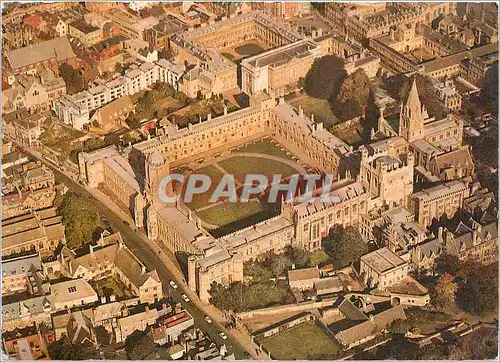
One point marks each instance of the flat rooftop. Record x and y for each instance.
(382, 260)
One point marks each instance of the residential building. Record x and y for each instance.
(173, 326)
(111, 258)
(112, 116)
(448, 95)
(137, 318)
(40, 231)
(129, 24)
(303, 279)
(36, 92)
(25, 344)
(72, 293)
(382, 268)
(26, 312)
(473, 240)
(23, 274)
(87, 34)
(80, 329)
(23, 127)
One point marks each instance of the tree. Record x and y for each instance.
(111, 139)
(481, 344)
(278, 263)
(79, 217)
(297, 256)
(133, 122)
(63, 349)
(239, 297)
(447, 263)
(479, 296)
(489, 93)
(399, 326)
(73, 78)
(444, 291)
(344, 246)
(93, 144)
(355, 90)
(324, 77)
(426, 92)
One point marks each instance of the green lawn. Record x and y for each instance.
(303, 342)
(228, 212)
(169, 102)
(319, 107)
(319, 258)
(201, 200)
(265, 146)
(241, 166)
(111, 286)
(249, 49)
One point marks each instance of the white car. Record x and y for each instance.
(185, 298)
(223, 335)
(208, 319)
(173, 285)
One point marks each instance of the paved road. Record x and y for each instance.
(153, 261)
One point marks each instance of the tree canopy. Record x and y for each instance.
(489, 91)
(324, 77)
(444, 291)
(73, 78)
(240, 297)
(479, 295)
(63, 349)
(344, 246)
(353, 94)
(80, 219)
(399, 86)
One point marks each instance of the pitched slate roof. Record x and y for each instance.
(370, 327)
(58, 48)
(303, 274)
(121, 257)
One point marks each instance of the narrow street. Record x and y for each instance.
(154, 258)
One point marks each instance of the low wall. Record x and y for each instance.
(283, 325)
(300, 307)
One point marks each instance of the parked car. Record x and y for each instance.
(223, 335)
(172, 284)
(185, 298)
(208, 319)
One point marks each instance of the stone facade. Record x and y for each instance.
(432, 203)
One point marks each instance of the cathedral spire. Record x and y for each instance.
(413, 101)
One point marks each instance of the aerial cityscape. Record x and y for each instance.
(249, 180)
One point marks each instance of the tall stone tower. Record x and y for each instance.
(156, 169)
(412, 116)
